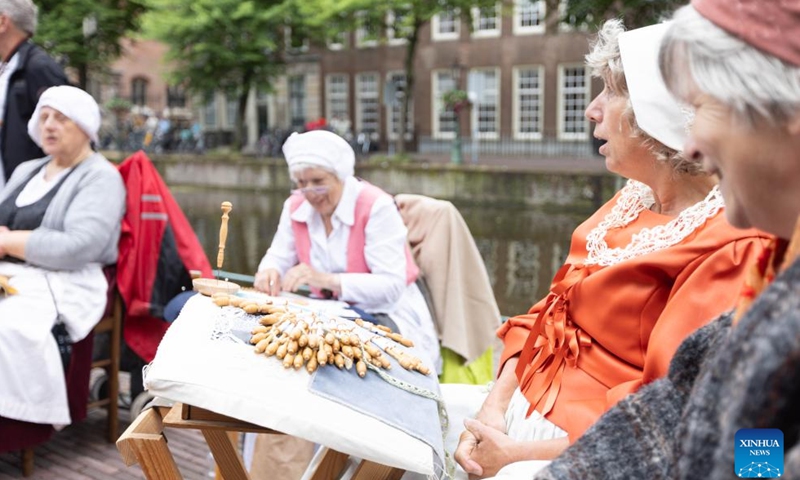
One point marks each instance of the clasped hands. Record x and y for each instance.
(484, 448)
(269, 280)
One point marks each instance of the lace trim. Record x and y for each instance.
(634, 198)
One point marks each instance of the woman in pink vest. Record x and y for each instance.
(345, 239)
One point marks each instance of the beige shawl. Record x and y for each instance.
(465, 310)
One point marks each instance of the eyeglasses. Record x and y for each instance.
(318, 190)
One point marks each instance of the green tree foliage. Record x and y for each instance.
(227, 45)
(331, 17)
(61, 30)
(634, 13)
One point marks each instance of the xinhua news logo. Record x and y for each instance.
(759, 453)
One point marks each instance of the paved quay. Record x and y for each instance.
(81, 452)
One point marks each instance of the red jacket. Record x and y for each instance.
(157, 249)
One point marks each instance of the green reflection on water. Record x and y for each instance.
(522, 249)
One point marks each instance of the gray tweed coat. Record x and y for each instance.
(721, 379)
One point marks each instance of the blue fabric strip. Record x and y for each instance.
(413, 414)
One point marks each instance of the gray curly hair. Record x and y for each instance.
(606, 62)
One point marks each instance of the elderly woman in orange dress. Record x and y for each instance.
(635, 282)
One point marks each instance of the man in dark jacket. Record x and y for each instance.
(25, 73)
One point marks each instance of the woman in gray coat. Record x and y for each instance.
(60, 219)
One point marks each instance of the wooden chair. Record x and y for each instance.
(110, 324)
(25, 436)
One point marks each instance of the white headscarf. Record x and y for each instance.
(657, 112)
(320, 148)
(74, 103)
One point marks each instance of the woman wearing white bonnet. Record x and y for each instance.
(345, 238)
(651, 266)
(60, 219)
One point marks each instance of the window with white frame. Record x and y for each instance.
(486, 21)
(529, 16)
(485, 83)
(231, 110)
(445, 25)
(398, 79)
(528, 102)
(210, 112)
(367, 103)
(336, 96)
(573, 97)
(444, 118)
(297, 100)
(398, 30)
(369, 30)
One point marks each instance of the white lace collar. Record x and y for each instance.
(633, 199)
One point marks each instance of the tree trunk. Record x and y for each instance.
(241, 110)
(83, 75)
(411, 50)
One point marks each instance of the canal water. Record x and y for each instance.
(522, 248)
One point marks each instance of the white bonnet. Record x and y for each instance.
(320, 148)
(657, 112)
(74, 103)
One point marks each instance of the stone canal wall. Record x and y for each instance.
(464, 184)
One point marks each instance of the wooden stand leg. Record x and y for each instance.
(144, 443)
(374, 471)
(27, 462)
(226, 455)
(331, 466)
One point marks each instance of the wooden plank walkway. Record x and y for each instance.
(80, 452)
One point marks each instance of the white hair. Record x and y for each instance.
(696, 54)
(605, 61)
(296, 168)
(23, 14)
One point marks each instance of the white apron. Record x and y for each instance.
(32, 384)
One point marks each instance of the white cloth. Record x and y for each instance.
(74, 103)
(384, 290)
(227, 378)
(5, 77)
(657, 111)
(38, 187)
(320, 148)
(464, 401)
(32, 385)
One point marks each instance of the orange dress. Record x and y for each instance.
(603, 331)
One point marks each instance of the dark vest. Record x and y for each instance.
(30, 216)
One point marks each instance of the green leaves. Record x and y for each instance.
(60, 30)
(634, 13)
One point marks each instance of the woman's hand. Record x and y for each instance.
(269, 281)
(303, 274)
(467, 443)
(491, 450)
(483, 451)
(3, 231)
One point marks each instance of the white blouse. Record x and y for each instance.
(385, 241)
(384, 290)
